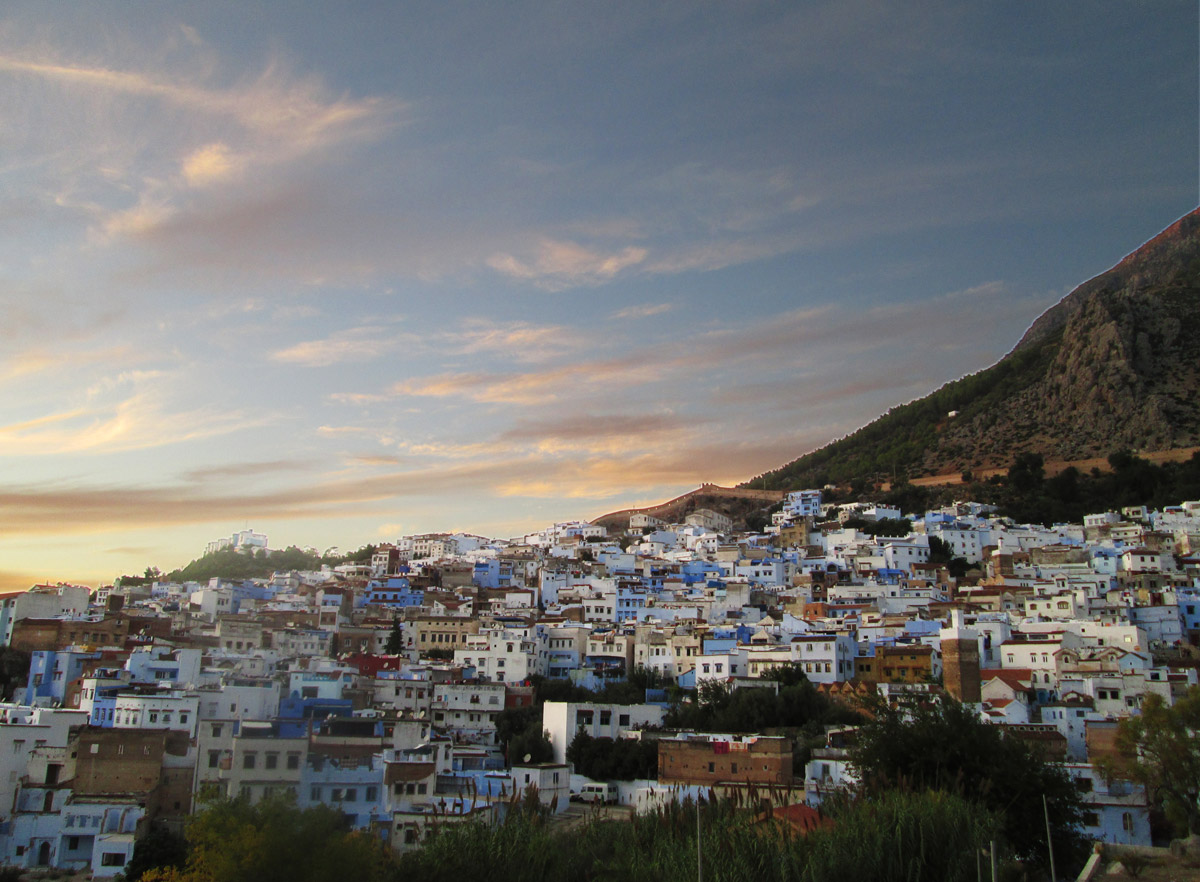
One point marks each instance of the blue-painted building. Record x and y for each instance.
(394, 593)
(354, 785)
(49, 673)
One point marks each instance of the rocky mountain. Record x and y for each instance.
(1114, 365)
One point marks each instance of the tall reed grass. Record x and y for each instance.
(896, 837)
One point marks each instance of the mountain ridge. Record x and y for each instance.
(1113, 365)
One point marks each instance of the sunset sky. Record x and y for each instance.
(342, 272)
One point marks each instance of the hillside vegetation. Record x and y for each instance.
(1115, 365)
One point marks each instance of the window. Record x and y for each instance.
(216, 730)
(112, 859)
(293, 760)
(248, 761)
(372, 794)
(214, 758)
(421, 788)
(315, 794)
(272, 760)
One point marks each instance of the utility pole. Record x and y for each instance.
(1049, 843)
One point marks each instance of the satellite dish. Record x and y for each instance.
(528, 757)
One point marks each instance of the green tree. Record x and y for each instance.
(395, 641)
(519, 731)
(1162, 746)
(605, 759)
(159, 848)
(943, 745)
(1027, 472)
(274, 841)
(940, 552)
(797, 705)
(14, 670)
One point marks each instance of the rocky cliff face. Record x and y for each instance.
(1115, 364)
(1123, 371)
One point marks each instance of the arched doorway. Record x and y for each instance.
(43, 859)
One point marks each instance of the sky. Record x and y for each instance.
(345, 272)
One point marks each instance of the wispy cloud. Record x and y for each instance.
(521, 341)
(515, 388)
(129, 411)
(67, 509)
(287, 110)
(204, 133)
(352, 344)
(242, 470)
(557, 265)
(811, 337)
(209, 164)
(514, 340)
(642, 310)
(588, 426)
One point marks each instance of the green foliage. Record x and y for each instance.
(159, 848)
(229, 563)
(546, 689)
(14, 670)
(942, 745)
(274, 841)
(1027, 497)
(1163, 750)
(899, 836)
(395, 641)
(362, 555)
(609, 759)
(631, 690)
(893, 445)
(149, 577)
(940, 552)
(1027, 472)
(797, 705)
(519, 731)
(881, 527)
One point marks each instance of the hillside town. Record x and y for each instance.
(377, 687)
